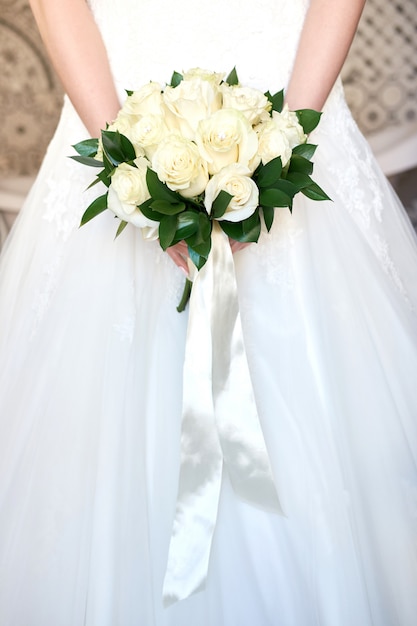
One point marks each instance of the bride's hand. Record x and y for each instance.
(237, 245)
(179, 253)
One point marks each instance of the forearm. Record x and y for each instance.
(325, 40)
(78, 54)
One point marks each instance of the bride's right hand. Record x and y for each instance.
(179, 254)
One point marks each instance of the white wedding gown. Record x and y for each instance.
(91, 353)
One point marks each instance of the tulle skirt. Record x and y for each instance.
(91, 355)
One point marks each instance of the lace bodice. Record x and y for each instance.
(259, 37)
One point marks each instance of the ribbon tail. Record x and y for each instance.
(201, 456)
(241, 438)
(220, 424)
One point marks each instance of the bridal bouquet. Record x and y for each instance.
(200, 150)
(203, 160)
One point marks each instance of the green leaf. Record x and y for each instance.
(203, 233)
(145, 208)
(117, 147)
(158, 189)
(196, 258)
(87, 161)
(246, 231)
(287, 187)
(167, 230)
(167, 208)
(277, 101)
(274, 198)
(300, 164)
(305, 150)
(269, 174)
(188, 224)
(220, 204)
(100, 178)
(299, 179)
(95, 208)
(129, 92)
(308, 119)
(108, 166)
(314, 192)
(268, 213)
(200, 242)
(121, 228)
(176, 78)
(86, 148)
(232, 78)
(202, 249)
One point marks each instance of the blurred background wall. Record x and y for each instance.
(380, 79)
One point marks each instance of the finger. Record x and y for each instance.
(238, 245)
(178, 257)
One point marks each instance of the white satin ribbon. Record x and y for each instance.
(220, 424)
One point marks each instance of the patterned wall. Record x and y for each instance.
(380, 78)
(380, 74)
(30, 95)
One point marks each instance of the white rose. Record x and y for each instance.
(128, 189)
(211, 77)
(288, 122)
(273, 142)
(123, 124)
(252, 102)
(235, 179)
(146, 100)
(226, 137)
(148, 132)
(178, 163)
(188, 103)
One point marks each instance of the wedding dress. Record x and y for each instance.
(91, 354)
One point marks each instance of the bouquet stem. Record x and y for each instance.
(185, 295)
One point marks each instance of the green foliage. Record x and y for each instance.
(86, 148)
(269, 174)
(158, 189)
(274, 198)
(95, 208)
(188, 224)
(176, 78)
(268, 214)
(168, 208)
(300, 164)
(305, 150)
(314, 192)
(277, 100)
(200, 241)
(299, 179)
(121, 228)
(232, 78)
(246, 231)
(117, 148)
(308, 119)
(167, 230)
(85, 160)
(220, 204)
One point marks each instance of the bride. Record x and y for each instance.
(92, 350)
